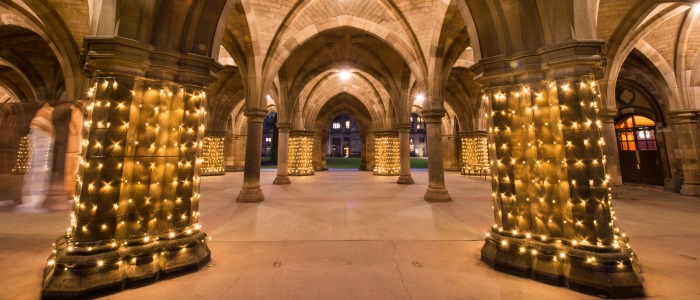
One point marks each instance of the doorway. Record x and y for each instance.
(640, 159)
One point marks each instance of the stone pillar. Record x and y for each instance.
(685, 126)
(612, 157)
(136, 206)
(230, 152)
(475, 158)
(239, 162)
(553, 212)
(437, 191)
(449, 153)
(386, 155)
(283, 155)
(405, 154)
(323, 166)
(75, 133)
(251, 191)
(301, 152)
(213, 153)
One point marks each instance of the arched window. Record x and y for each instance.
(636, 133)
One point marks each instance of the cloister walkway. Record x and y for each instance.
(351, 235)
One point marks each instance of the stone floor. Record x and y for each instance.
(351, 235)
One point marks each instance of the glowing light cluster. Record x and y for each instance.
(213, 155)
(138, 178)
(22, 160)
(475, 155)
(386, 154)
(300, 153)
(549, 181)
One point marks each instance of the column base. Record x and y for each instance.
(609, 272)
(234, 168)
(248, 195)
(405, 179)
(281, 180)
(437, 194)
(619, 192)
(104, 268)
(690, 189)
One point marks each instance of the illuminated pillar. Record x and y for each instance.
(251, 192)
(213, 153)
(553, 212)
(135, 212)
(437, 192)
(387, 160)
(301, 153)
(475, 156)
(405, 154)
(283, 155)
(230, 152)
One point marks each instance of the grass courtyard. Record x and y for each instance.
(351, 163)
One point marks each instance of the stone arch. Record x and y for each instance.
(276, 59)
(63, 39)
(344, 102)
(628, 35)
(312, 111)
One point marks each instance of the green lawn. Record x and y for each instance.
(351, 163)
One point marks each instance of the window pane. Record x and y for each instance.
(642, 145)
(643, 121)
(623, 146)
(631, 146)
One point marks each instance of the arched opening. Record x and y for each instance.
(640, 159)
(344, 143)
(270, 141)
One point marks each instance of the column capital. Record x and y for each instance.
(118, 56)
(606, 115)
(684, 116)
(255, 114)
(433, 115)
(403, 127)
(476, 133)
(284, 127)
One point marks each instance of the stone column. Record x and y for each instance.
(301, 150)
(437, 191)
(386, 155)
(612, 157)
(136, 206)
(449, 153)
(251, 191)
(685, 126)
(323, 166)
(230, 152)
(213, 153)
(283, 155)
(239, 162)
(405, 154)
(75, 133)
(552, 208)
(475, 158)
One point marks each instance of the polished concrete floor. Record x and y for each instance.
(351, 235)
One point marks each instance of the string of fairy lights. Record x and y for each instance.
(138, 182)
(548, 170)
(300, 153)
(386, 154)
(213, 154)
(22, 160)
(475, 155)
